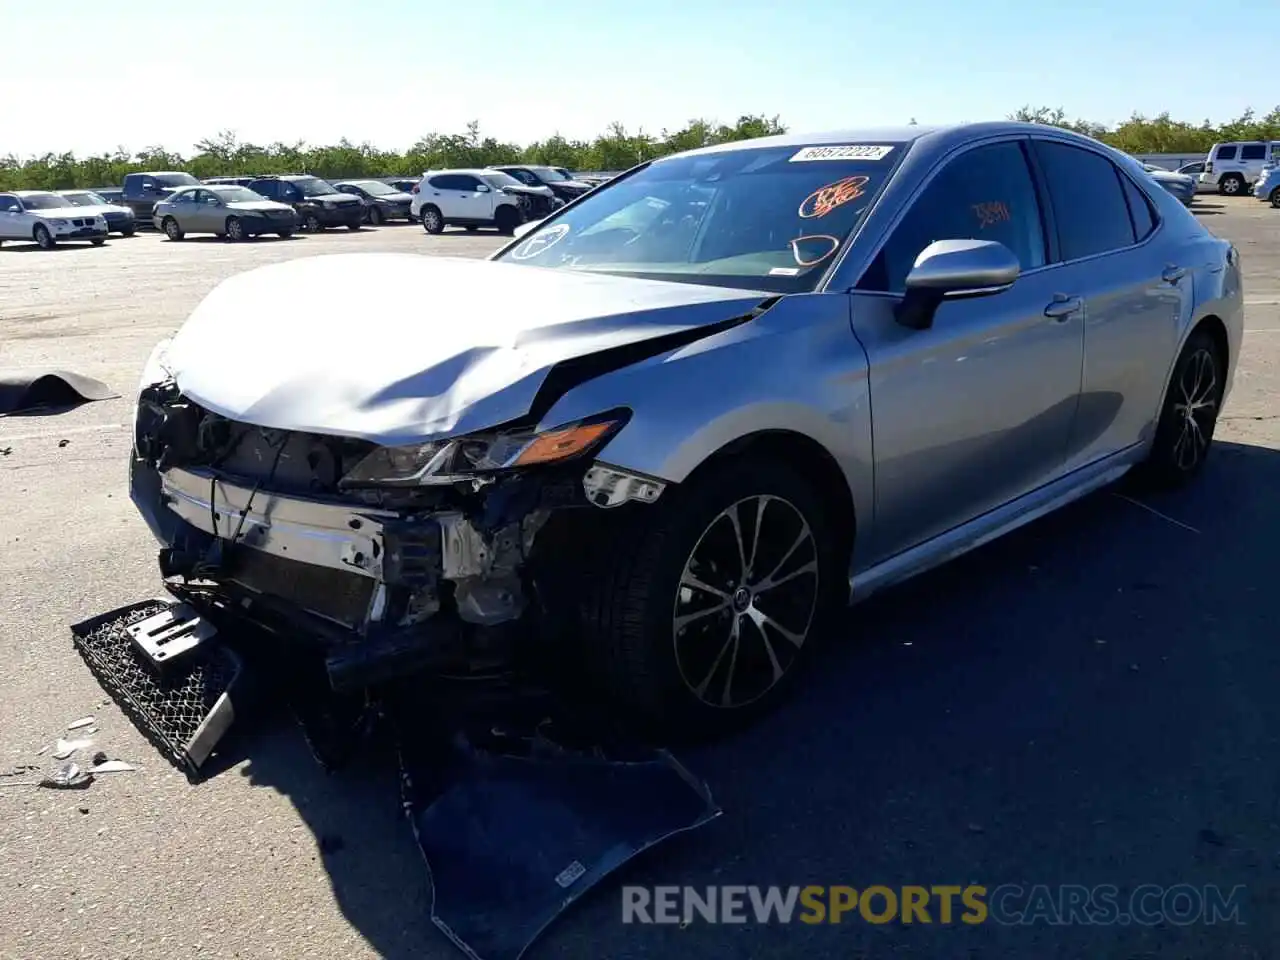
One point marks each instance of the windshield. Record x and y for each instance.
(498, 180)
(237, 194)
(174, 179)
(374, 188)
(85, 199)
(45, 201)
(550, 173)
(763, 219)
(314, 187)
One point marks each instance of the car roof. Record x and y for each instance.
(31, 193)
(474, 171)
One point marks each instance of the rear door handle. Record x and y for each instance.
(1172, 274)
(1063, 307)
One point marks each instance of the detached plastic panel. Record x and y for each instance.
(184, 706)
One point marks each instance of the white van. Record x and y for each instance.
(1234, 167)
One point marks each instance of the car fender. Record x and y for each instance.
(795, 368)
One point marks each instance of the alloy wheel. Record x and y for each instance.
(431, 221)
(1196, 407)
(746, 601)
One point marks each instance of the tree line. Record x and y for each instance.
(617, 148)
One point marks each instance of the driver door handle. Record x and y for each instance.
(1063, 307)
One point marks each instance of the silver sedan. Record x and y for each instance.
(682, 422)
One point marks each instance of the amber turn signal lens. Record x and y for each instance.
(561, 444)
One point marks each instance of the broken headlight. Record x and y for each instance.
(466, 458)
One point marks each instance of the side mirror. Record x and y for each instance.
(483, 188)
(524, 228)
(954, 270)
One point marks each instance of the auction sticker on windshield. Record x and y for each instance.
(852, 151)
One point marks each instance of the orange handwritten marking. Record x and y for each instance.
(991, 212)
(825, 199)
(795, 248)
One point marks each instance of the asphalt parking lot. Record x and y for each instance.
(1089, 701)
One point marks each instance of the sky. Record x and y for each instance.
(87, 76)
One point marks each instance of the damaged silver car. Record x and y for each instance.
(677, 425)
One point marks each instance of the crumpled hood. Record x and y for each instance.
(331, 344)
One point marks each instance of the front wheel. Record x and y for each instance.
(43, 238)
(171, 229)
(311, 223)
(506, 219)
(128, 231)
(354, 226)
(284, 234)
(703, 623)
(97, 241)
(1231, 185)
(1184, 433)
(1275, 197)
(374, 217)
(432, 220)
(235, 229)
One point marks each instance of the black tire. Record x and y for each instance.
(284, 234)
(1231, 185)
(1193, 400)
(43, 238)
(98, 241)
(471, 228)
(642, 661)
(235, 230)
(171, 229)
(506, 219)
(311, 223)
(355, 226)
(432, 219)
(1275, 197)
(374, 216)
(128, 231)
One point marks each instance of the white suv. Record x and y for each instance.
(1234, 167)
(467, 198)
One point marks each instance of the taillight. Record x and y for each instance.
(1208, 167)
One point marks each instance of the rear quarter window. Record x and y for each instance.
(1226, 153)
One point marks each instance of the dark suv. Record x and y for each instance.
(142, 191)
(317, 203)
(561, 184)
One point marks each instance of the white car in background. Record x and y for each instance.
(467, 198)
(47, 219)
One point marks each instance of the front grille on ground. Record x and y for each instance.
(183, 711)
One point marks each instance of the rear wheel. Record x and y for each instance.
(128, 232)
(374, 216)
(284, 234)
(1275, 197)
(354, 226)
(43, 238)
(432, 220)
(235, 229)
(1231, 185)
(98, 241)
(703, 623)
(171, 229)
(1190, 414)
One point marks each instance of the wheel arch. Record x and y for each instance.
(807, 457)
(1217, 329)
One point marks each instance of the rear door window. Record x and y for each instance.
(984, 194)
(1226, 153)
(1089, 205)
(1253, 151)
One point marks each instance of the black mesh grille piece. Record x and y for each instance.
(168, 707)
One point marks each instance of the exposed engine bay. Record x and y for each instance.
(392, 558)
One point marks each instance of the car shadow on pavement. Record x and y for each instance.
(1089, 700)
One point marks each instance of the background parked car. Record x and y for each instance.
(470, 198)
(1179, 184)
(113, 195)
(1233, 168)
(47, 219)
(381, 201)
(225, 210)
(142, 191)
(403, 184)
(120, 219)
(555, 179)
(233, 181)
(1268, 186)
(1194, 170)
(317, 203)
